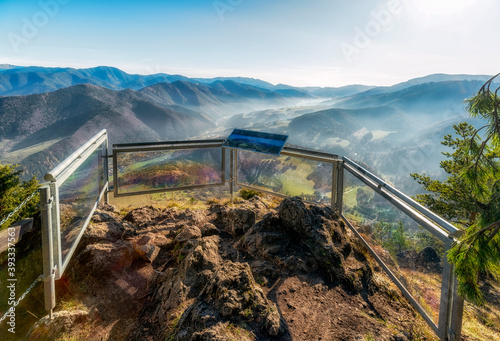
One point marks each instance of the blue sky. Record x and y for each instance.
(315, 42)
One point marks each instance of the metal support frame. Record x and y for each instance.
(351, 165)
(46, 201)
(340, 187)
(56, 228)
(53, 263)
(106, 171)
(231, 173)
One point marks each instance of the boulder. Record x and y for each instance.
(104, 258)
(428, 259)
(230, 298)
(300, 237)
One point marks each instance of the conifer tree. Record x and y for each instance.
(470, 197)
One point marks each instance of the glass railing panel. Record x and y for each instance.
(143, 171)
(412, 253)
(78, 196)
(287, 175)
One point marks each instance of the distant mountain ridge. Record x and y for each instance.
(27, 80)
(427, 99)
(32, 79)
(7, 66)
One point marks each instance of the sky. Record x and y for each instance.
(295, 42)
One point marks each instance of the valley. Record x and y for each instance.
(393, 130)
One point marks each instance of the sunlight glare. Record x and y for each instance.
(442, 7)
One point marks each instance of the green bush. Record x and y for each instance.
(12, 193)
(249, 193)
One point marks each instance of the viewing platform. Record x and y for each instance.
(407, 240)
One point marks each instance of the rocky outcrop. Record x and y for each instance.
(230, 298)
(301, 238)
(237, 272)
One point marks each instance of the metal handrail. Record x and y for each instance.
(166, 143)
(76, 158)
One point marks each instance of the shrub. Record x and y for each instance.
(249, 193)
(13, 191)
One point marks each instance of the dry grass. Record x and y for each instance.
(71, 304)
(483, 323)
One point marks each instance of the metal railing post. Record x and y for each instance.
(451, 307)
(231, 174)
(115, 173)
(55, 228)
(446, 297)
(340, 187)
(106, 172)
(223, 165)
(457, 313)
(334, 201)
(48, 252)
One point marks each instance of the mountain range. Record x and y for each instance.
(46, 113)
(20, 80)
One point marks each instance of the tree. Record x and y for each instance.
(452, 198)
(470, 197)
(13, 191)
(479, 248)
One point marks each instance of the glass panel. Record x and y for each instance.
(77, 196)
(153, 170)
(412, 253)
(291, 176)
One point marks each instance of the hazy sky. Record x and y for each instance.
(314, 42)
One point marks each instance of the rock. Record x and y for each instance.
(406, 259)
(175, 285)
(197, 217)
(429, 260)
(205, 256)
(105, 257)
(209, 229)
(147, 252)
(426, 260)
(143, 216)
(301, 238)
(235, 220)
(62, 322)
(230, 295)
(427, 255)
(187, 233)
(153, 238)
(108, 208)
